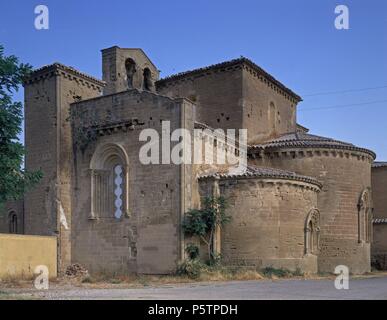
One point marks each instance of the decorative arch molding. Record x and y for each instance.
(365, 213)
(312, 232)
(109, 181)
(106, 151)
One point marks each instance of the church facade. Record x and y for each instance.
(298, 201)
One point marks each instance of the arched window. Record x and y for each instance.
(147, 84)
(130, 67)
(12, 223)
(365, 208)
(312, 232)
(109, 182)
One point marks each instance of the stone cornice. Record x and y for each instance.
(310, 151)
(279, 181)
(379, 221)
(122, 126)
(277, 175)
(133, 91)
(57, 69)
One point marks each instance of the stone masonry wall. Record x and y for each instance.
(41, 136)
(237, 98)
(148, 239)
(48, 94)
(379, 194)
(344, 175)
(11, 208)
(267, 112)
(218, 97)
(268, 223)
(114, 71)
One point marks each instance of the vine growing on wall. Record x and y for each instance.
(203, 223)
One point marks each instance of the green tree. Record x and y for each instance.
(14, 179)
(204, 222)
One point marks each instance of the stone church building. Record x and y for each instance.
(302, 202)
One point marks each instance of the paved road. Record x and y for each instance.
(370, 288)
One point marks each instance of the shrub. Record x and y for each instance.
(281, 273)
(270, 272)
(192, 251)
(216, 261)
(203, 222)
(190, 268)
(298, 273)
(88, 279)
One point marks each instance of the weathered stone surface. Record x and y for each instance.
(113, 214)
(269, 220)
(345, 175)
(379, 194)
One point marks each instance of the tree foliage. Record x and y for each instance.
(14, 179)
(204, 222)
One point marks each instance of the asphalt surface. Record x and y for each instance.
(369, 288)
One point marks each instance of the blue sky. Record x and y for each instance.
(295, 40)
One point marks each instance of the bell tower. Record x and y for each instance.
(125, 69)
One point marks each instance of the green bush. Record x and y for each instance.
(190, 268)
(88, 279)
(216, 261)
(298, 273)
(281, 273)
(192, 251)
(203, 222)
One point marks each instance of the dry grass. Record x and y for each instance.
(104, 280)
(15, 281)
(208, 275)
(211, 274)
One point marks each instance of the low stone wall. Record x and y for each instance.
(21, 254)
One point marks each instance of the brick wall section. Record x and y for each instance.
(344, 175)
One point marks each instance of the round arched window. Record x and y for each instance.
(13, 223)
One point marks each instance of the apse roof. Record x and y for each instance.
(305, 140)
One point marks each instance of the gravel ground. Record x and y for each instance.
(369, 288)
